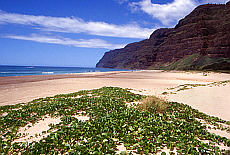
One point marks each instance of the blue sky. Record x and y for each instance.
(79, 32)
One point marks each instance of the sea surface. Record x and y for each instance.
(47, 70)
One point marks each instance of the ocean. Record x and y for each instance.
(47, 70)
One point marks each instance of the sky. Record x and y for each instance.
(79, 32)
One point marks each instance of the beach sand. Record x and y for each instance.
(210, 98)
(213, 100)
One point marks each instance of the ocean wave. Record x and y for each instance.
(47, 72)
(29, 67)
(17, 72)
(4, 72)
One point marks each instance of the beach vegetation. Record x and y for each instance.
(191, 86)
(165, 93)
(153, 104)
(111, 124)
(197, 62)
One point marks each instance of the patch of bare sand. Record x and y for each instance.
(220, 133)
(167, 151)
(81, 116)
(121, 149)
(39, 130)
(214, 101)
(35, 132)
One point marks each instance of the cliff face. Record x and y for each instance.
(135, 55)
(203, 34)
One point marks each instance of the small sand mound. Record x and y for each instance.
(132, 104)
(121, 148)
(81, 117)
(4, 114)
(79, 96)
(167, 151)
(220, 133)
(35, 132)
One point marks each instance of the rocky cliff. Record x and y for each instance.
(199, 41)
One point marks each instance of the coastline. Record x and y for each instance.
(36, 78)
(21, 89)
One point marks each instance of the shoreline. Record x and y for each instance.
(36, 78)
(21, 89)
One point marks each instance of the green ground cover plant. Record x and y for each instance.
(199, 63)
(111, 123)
(191, 86)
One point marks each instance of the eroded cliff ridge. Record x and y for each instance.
(199, 41)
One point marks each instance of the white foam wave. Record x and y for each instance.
(47, 72)
(29, 67)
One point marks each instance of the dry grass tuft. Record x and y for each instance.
(153, 104)
(228, 129)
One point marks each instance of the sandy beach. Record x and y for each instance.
(212, 100)
(207, 92)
